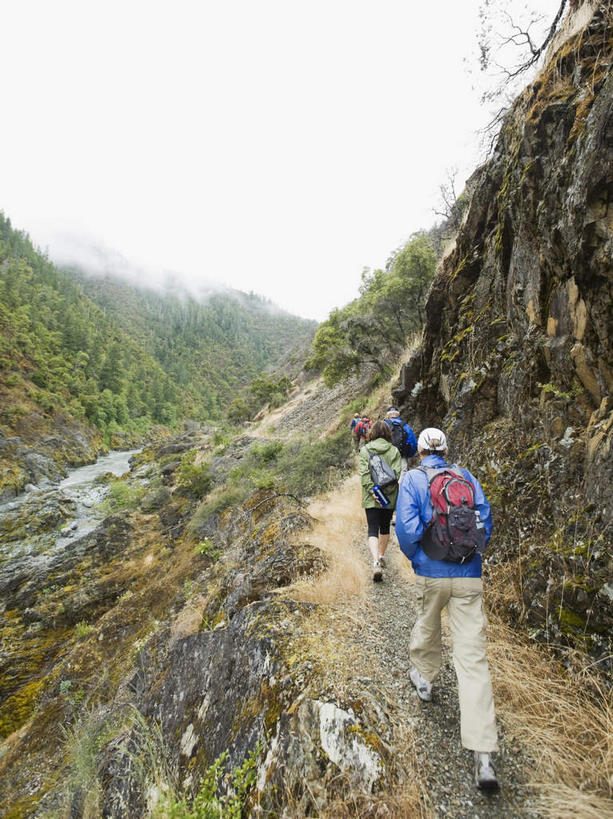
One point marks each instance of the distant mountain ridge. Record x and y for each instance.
(211, 345)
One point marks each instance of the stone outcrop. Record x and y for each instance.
(163, 656)
(242, 684)
(516, 356)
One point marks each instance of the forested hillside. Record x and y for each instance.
(75, 374)
(210, 347)
(59, 352)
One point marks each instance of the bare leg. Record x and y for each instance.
(383, 541)
(373, 545)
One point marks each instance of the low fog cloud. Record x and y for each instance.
(94, 259)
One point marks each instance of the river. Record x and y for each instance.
(117, 462)
(54, 517)
(79, 487)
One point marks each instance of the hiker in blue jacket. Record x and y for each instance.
(403, 436)
(354, 422)
(458, 587)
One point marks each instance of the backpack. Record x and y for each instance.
(399, 438)
(361, 430)
(455, 533)
(381, 473)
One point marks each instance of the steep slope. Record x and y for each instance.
(516, 357)
(237, 653)
(211, 345)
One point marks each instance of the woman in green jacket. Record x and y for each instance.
(379, 442)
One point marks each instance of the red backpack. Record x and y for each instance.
(361, 430)
(455, 533)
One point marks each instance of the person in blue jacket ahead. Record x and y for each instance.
(458, 587)
(403, 436)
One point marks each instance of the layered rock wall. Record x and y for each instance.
(516, 357)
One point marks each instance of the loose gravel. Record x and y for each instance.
(446, 766)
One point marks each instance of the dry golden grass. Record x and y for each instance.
(329, 639)
(189, 619)
(339, 523)
(563, 719)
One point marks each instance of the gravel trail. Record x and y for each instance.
(446, 766)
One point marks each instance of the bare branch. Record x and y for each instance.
(538, 51)
(519, 37)
(267, 500)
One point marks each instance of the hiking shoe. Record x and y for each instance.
(382, 561)
(377, 572)
(485, 775)
(422, 686)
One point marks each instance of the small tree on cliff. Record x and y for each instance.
(374, 328)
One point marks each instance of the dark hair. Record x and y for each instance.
(380, 430)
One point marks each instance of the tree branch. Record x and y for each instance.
(269, 498)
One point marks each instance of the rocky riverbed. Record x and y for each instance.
(51, 516)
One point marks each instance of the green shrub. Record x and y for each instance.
(192, 479)
(221, 440)
(123, 497)
(266, 453)
(207, 804)
(82, 629)
(215, 505)
(207, 548)
(305, 468)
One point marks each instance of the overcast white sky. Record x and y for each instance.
(278, 146)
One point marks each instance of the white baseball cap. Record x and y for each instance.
(432, 439)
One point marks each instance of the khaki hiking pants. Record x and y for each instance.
(464, 601)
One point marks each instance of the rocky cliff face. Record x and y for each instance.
(516, 357)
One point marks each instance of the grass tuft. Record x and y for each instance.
(564, 720)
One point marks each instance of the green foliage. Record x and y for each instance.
(216, 504)
(221, 439)
(123, 497)
(76, 356)
(209, 349)
(239, 410)
(207, 548)
(82, 629)
(263, 390)
(208, 803)
(193, 480)
(374, 328)
(301, 467)
(124, 359)
(307, 467)
(266, 453)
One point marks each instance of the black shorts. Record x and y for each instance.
(378, 521)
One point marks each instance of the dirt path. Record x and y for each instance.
(447, 767)
(384, 620)
(382, 647)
